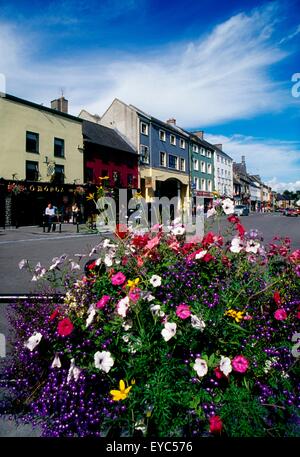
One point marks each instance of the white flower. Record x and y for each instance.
(125, 338)
(150, 297)
(33, 341)
(228, 206)
(23, 264)
(98, 261)
(56, 261)
(108, 261)
(127, 325)
(155, 281)
(225, 365)
(178, 231)
(103, 361)
(211, 212)
(75, 266)
(236, 245)
(252, 246)
(92, 313)
(200, 255)
(197, 323)
(122, 306)
(74, 372)
(169, 331)
(56, 362)
(108, 244)
(268, 366)
(156, 310)
(200, 366)
(39, 272)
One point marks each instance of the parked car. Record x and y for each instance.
(241, 210)
(291, 212)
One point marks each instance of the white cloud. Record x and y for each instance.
(221, 77)
(274, 160)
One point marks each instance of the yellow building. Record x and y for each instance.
(39, 143)
(41, 159)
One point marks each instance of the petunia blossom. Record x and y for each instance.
(169, 331)
(228, 206)
(65, 327)
(183, 311)
(33, 341)
(74, 372)
(197, 323)
(200, 366)
(252, 246)
(155, 280)
(103, 361)
(236, 245)
(103, 301)
(122, 306)
(56, 362)
(225, 365)
(118, 279)
(240, 364)
(280, 314)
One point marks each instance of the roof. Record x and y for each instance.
(104, 136)
(41, 107)
(219, 151)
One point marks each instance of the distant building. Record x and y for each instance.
(223, 172)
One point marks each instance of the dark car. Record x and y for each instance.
(241, 210)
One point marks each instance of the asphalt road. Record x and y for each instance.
(32, 244)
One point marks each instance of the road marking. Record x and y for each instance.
(48, 238)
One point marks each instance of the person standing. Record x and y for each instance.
(50, 214)
(75, 213)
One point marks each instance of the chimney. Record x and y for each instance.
(171, 121)
(220, 146)
(60, 104)
(199, 134)
(244, 160)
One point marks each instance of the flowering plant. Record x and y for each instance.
(165, 338)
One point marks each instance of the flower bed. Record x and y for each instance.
(164, 338)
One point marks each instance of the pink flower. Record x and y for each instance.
(240, 364)
(65, 327)
(215, 424)
(103, 301)
(152, 243)
(280, 314)
(183, 311)
(118, 279)
(135, 294)
(295, 256)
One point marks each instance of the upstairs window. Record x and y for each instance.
(209, 185)
(144, 128)
(182, 143)
(203, 169)
(202, 151)
(173, 162)
(203, 186)
(59, 174)
(208, 153)
(173, 140)
(196, 164)
(144, 154)
(162, 135)
(209, 168)
(59, 147)
(32, 170)
(182, 164)
(162, 159)
(195, 148)
(32, 142)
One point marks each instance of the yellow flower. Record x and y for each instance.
(122, 393)
(132, 382)
(90, 197)
(237, 315)
(133, 283)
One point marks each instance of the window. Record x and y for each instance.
(218, 158)
(144, 153)
(222, 159)
(196, 183)
(59, 174)
(196, 164)
(225, 173)
(59, 147)
(203, 184)
(32, 142)
(218, 171)
(163, 162)
(222, 171)
(182, 164)
(173, 140)
(182, 143)
(195, 148)
(144, 128)
(173, 162)
(209, 168)
(209, 185)
(202, 151)
(208, 153)
(203, 170)
(162, 135)
(32, 170)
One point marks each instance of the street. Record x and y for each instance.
(32, 244)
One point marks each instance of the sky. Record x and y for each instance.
(222, 67)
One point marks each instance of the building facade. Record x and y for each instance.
(41, 157)
(163, 150)
(223, 165)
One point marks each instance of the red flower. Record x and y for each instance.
(54, 314)
(280, 314)
(240, 229)
(65, 327)
(208, 239)
(277, 298)
(207, 258)
(215, 424)
(121, 231)
(91, 265)
(218, 373)
(233, 219)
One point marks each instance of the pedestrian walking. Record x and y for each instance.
(51, 217)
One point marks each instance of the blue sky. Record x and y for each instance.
(224, 67)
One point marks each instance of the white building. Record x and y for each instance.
(223, 165)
